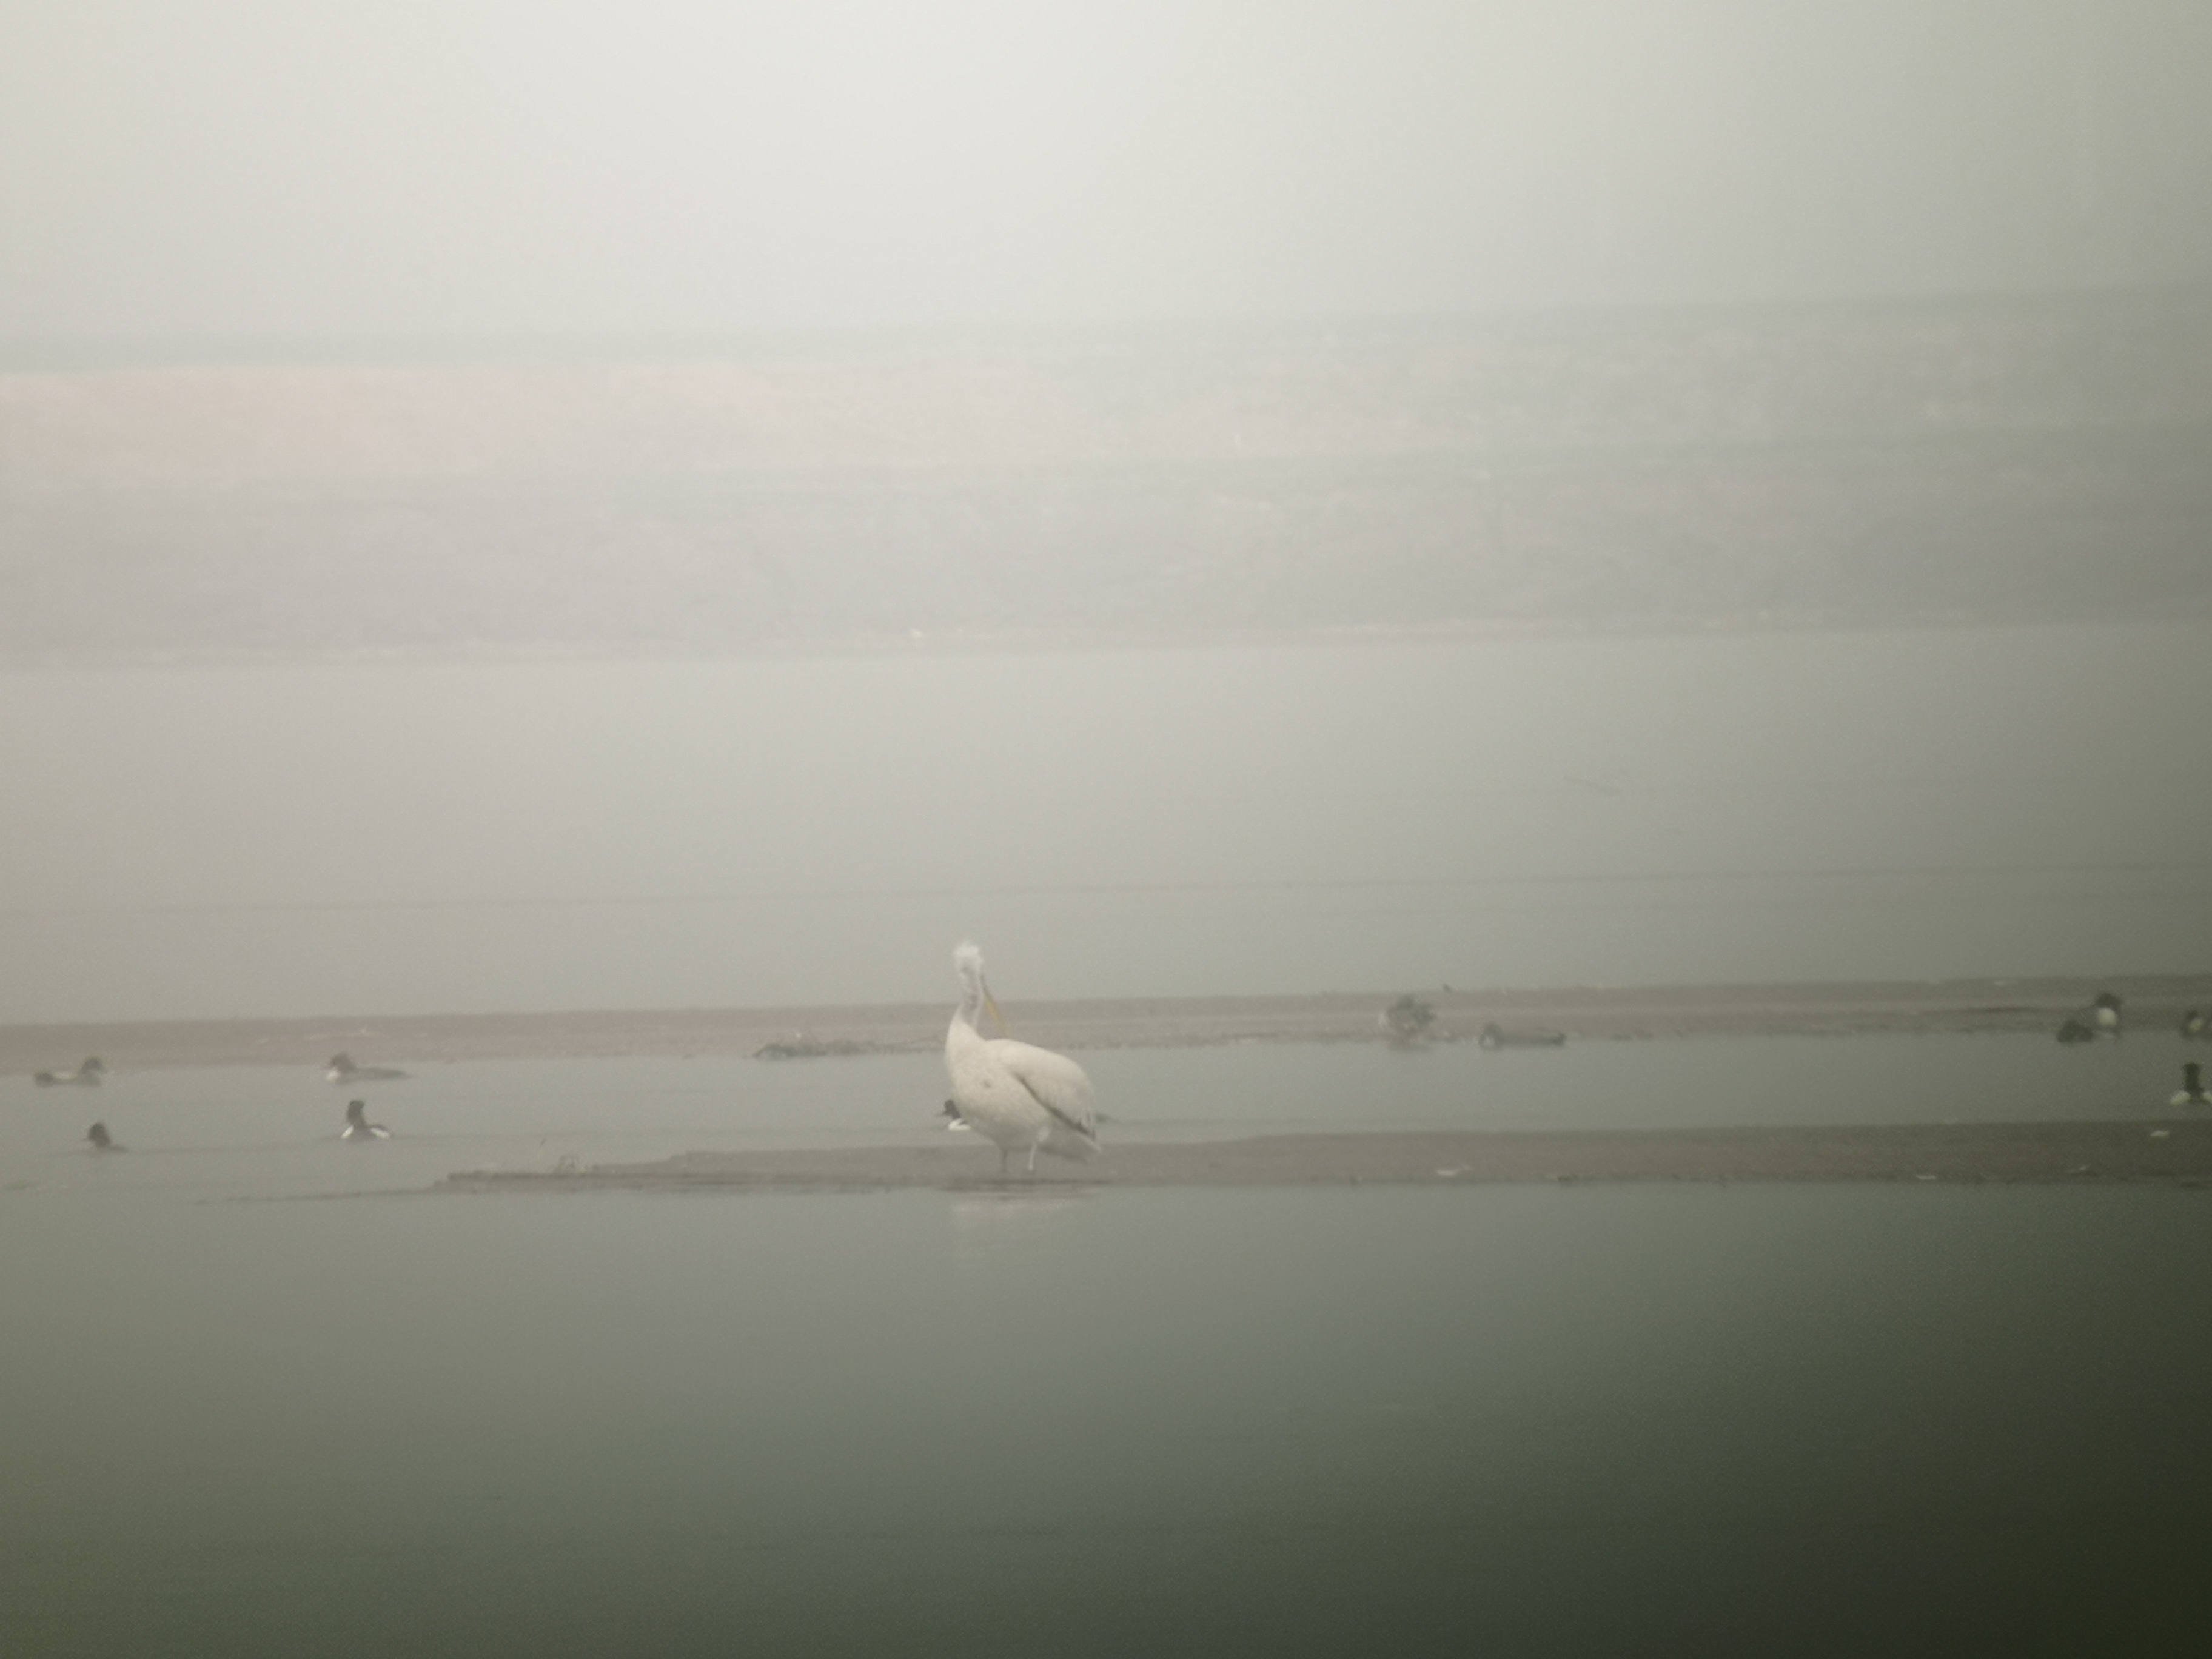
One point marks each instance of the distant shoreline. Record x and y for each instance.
(1407, 473)
(2163, 1153)
(793, 1034)
(106, 657)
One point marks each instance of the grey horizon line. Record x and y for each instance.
(1352, 884)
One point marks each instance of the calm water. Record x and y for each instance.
(264, 1397)
(383, 838)
(1540, 1421)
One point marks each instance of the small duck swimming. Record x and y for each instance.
(1496, 1037)
(2075, 1031)
(100, 1140)
(952, 1110)
(357, 1126)
(1408, 1018)
(2106, 1011)
(342, 1070)
(90, 1075)
(2192, 1087)
(2194, 1026)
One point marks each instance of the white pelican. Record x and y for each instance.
(357, 1126)
(90, 1075)
(1011, 1093)
(342, 1070)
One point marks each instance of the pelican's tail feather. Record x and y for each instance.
(1070, 1141)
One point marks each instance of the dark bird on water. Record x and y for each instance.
(342, 1070)
(1496, 1037)
(2192, 1087)
(357, 1126)
(100, 1140)
(2075, 1031)
(1408, 1018)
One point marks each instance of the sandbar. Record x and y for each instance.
(2134, 1152)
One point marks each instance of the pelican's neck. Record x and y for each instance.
(970, 1010)
(972, 991)
(963, 1044)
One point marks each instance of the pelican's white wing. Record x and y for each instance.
(1056, 1082)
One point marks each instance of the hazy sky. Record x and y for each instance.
(353, 168)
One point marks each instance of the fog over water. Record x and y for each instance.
(224, 842)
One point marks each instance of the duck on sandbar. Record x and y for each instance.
(100, 1140)
(342, 1070)
(90, 1075)
(2192, 1087)
(357, 1126)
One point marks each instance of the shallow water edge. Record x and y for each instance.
(2154, 1001)
(2062, 1154)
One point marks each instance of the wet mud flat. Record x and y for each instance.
(2140, 1153)
(1580, 1012)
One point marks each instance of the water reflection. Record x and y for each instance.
(1268, 1422)
(985, 1223)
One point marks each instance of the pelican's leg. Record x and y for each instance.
(1033, 1146)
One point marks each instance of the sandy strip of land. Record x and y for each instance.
(2172, 1153)
(1580, 1013)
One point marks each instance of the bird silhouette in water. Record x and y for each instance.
(2106, 1011)
(1408, 1018)
(342, 1070)
(2192, 1087)
(1495, 1035)
(357, 1126)
(90, 1075)
(100, 1140)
